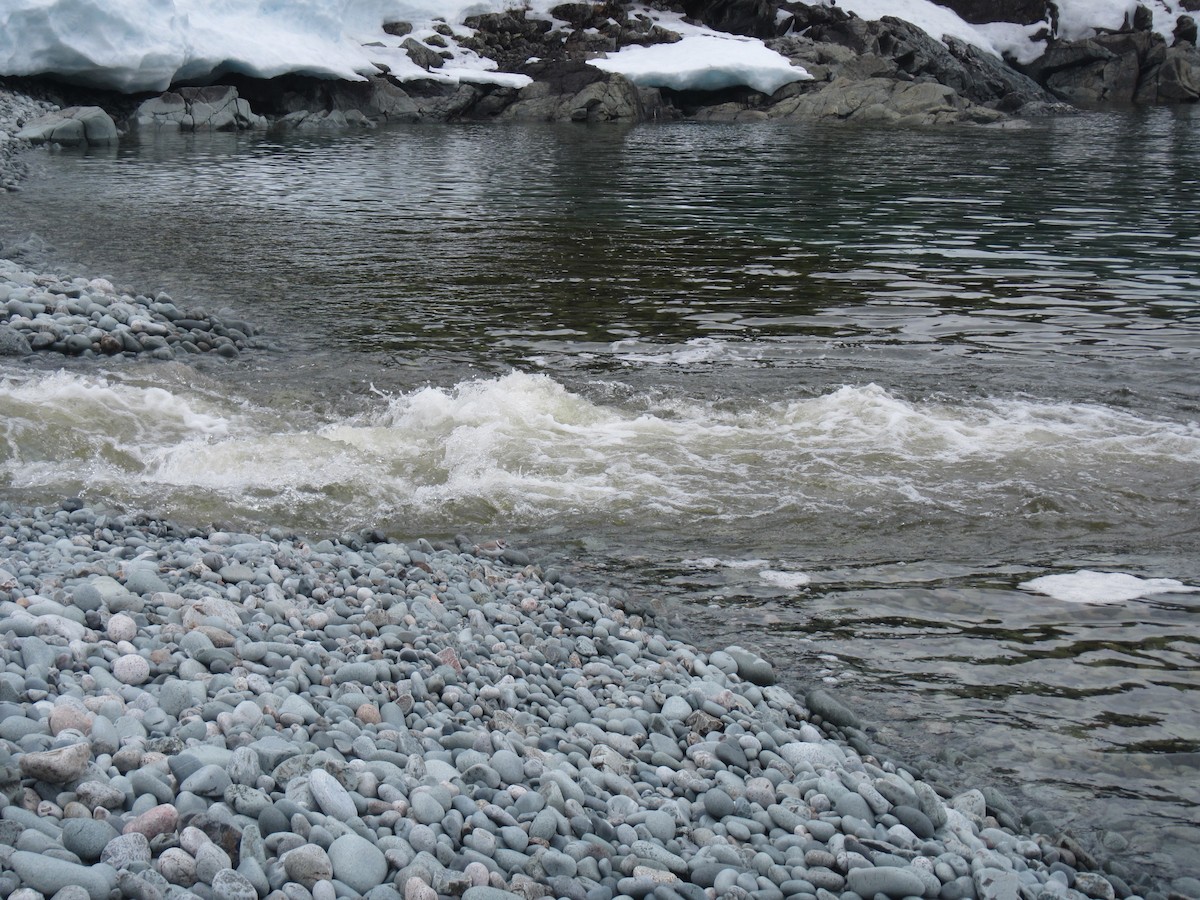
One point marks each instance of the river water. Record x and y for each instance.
(832, 393)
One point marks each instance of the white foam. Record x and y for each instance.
(524, 448)
(1086, 586)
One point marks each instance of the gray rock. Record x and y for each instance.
(825, 705)
(126, 850)
(207, 781)
(142, 578)
(49, 875)
(87, 838)
(57, 766)
(230, 885)
(357, 862)
(751, 666)
(13, 342)
(308, 864)
(333, 799)
(888, 880)
(72, 126)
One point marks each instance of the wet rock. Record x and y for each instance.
(215, 108)
(576, 92)
(73, 126)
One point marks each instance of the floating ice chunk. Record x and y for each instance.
(705, 62)
(1086, 586)
(785, 580)
(713, 562)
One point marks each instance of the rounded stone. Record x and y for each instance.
(56, 766)
(126, 850)
(230, 885)
(131, 669)
(888, 880)
(357, 862)
(121, 628)
(161, 819)
(308, 864)
(87, 838)
(333, 799)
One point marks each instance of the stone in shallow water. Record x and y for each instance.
(825, 705)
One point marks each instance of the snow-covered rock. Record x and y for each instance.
(1024, 42)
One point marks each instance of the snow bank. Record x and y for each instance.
(145, 45)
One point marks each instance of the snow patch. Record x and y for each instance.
(704, 62)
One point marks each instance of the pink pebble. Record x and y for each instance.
(157, 820)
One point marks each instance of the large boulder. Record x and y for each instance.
(1107, 68)
(73, 126)
(215, 108)
(1175, 80)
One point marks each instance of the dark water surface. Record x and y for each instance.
(834, 393)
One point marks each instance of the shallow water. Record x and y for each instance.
(835, 393)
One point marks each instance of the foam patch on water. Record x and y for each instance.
(1086, 586)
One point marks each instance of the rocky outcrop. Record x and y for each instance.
(886, 72)
(72, 127)
(576, 92)
(1120, 68)
(1023, 12)
(756, 18)
(216, 108)
(886, 101)
(893, 48)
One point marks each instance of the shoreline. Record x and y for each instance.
(644, 861)
(408, 720)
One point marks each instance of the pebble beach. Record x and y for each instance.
(191, 713)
